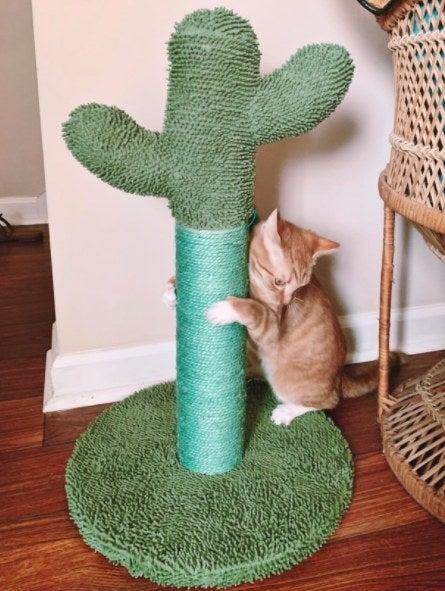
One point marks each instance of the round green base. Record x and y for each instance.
(135, 504)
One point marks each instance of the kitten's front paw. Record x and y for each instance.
(169, 295)
(222, 313)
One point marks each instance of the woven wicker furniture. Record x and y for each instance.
(413, 185)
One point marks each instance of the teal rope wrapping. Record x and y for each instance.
(210, 265)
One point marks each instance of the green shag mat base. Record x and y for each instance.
(135, 504)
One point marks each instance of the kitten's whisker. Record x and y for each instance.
(295, 299)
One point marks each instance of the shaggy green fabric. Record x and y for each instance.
(219, 110)
(134, 503)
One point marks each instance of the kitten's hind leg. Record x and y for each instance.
(284, 414)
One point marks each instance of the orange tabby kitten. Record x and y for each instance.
(291, 323)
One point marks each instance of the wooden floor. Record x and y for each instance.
(385, 542)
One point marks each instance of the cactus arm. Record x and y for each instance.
(115, 148)
(306, 89)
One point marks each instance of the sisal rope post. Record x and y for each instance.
(210, 386)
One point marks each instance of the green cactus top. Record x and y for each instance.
(219, 109)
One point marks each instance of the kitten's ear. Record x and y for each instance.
(324, 246)
(271, 234)
(281, 224)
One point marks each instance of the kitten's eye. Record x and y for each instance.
(278, 282)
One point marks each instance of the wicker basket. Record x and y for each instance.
(413, 185)
(414, 438)
(414, 181)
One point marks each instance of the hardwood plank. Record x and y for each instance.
(10, 250)
(29, 261)
(21, 424)
(67, 564)
(68, 425)
(57, 560)
(25, 534)
(25, 300)
(393, 560)
(357, 420)
(32, 482)
(379, 502)
(416, 365)
(25, 340)
(22, 378)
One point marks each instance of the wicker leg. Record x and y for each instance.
(385, 308)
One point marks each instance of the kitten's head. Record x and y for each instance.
(281, 259)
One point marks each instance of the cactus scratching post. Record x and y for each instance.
(219, 109)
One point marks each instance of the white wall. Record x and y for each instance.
(112, 252)
(21, 160)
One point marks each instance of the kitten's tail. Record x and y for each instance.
(359, 381)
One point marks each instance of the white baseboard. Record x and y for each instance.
(24, 210)
(417, 329)
(109, 375)
(104, 375)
